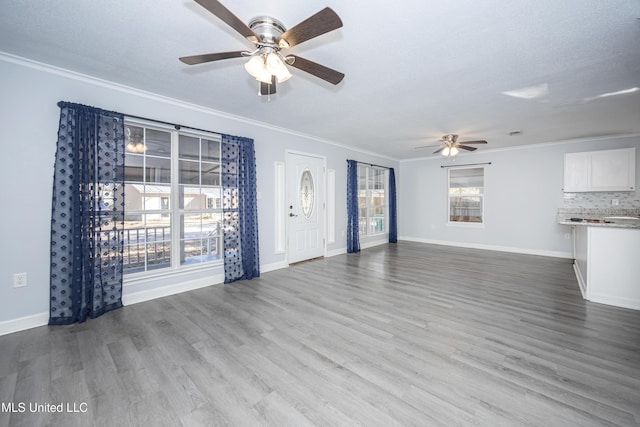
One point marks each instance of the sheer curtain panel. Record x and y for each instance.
(393, 214)
(240, 209)
(87, 214)
(353, 239)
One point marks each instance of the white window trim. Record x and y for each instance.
(465, 224)
(175, 269)
(461, 224)
(143, 277)
(380, 234)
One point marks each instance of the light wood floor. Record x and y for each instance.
(406, 334)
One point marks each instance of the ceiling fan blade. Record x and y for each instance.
(439, 150)
(320, 71)
(473, 142)
(464, 147)
(422, 147)
(229, 18)
(322, 22)
(268, 89)
(209, 57)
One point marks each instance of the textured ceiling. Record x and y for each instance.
(415, 70)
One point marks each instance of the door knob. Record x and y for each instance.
(292, 214)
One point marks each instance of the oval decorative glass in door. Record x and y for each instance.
(307, 193)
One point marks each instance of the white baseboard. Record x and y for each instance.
(372, 243)
(22, 323)
(284, 264)
(581, 282)
(273, 266)
(363, 245)
(336, 252)
(633, 304)
(525, 251)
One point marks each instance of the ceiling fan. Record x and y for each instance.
(267, 63)
(451, 146)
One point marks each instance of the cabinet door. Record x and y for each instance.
(576, 167)
(612, 170)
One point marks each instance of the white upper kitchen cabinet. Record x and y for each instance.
(606, 170)
(576, 166)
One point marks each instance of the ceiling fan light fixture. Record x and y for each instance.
(450, 151)
(274, 63)
(255, 66)
(276, 66)
(264, 76)
(264, 66)
(283, 75)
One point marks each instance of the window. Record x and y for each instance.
(372, 202)
(173, 209)
(466, 194)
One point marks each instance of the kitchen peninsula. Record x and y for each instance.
(606, 251)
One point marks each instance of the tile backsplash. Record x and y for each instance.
(602, 200)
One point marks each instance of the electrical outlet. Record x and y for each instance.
(615, 202)
(19, 280)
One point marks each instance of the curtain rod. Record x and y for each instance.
(175, 125)
(468, 164)
(371, 164)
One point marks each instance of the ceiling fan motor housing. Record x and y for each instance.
(450, 138)
(268, 29)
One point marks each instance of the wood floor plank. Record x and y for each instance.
(7, 391)
(404, 334)
(222, 396)
(276, 411)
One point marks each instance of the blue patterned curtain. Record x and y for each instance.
(240, 209)
(393, 214)
(87, 214)
(353, 239)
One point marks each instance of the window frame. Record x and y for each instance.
(368, 205)
(175, 211)
(481, 196)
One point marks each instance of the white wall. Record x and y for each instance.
(28, 133)
(523, 191)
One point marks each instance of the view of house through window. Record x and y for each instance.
(466, 194)
(173, 209)
(372, 201)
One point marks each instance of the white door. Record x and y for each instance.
(305, 206)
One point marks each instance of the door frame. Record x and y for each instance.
(322, 198)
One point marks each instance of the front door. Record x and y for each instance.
(305, 206)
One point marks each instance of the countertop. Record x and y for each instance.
(626, 218)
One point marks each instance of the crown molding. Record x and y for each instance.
(85, 78)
